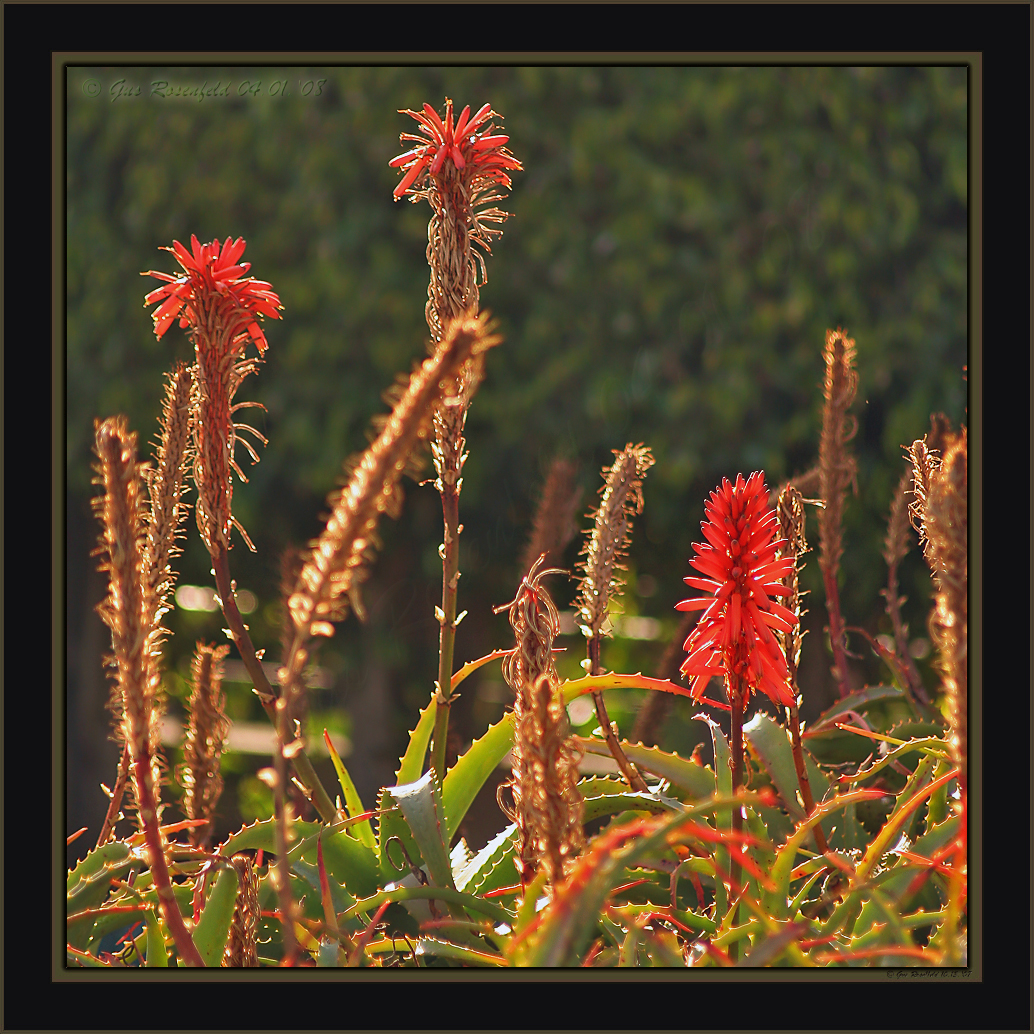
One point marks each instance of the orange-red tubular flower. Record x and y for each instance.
(734, 634)
(211, 297)
(483, 157)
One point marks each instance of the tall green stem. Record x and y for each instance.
(450, 553)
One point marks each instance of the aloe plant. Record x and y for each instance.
(840, 844)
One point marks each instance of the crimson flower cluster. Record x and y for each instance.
(734, 636)
(482, 158)
(211, 297)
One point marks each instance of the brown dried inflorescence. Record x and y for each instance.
(242, 944)
(130, 607)
(546, 804)
(622, 496)
(791, 528)
(334, 566)
(838, 470)
(165, 487)
(945, 527)
(896, 545)
(206, 736)
(554, 525)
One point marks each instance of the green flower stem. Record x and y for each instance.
(447, 619)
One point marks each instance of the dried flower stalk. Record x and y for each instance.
(161, 525)
(129, 608)
(837, 471)
(551, 806)
(896, 546)
(165, 486)
(924, 464)
(554, 525)
(607, 545)
(206, 736)
(242, 944)
(128, 612)
(790, 508)
(946, 530)
(335, 563)
(941, 492)
(546, 803)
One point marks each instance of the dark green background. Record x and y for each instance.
(681, 239)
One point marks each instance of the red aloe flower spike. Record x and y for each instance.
(481, 160)
(733, 636)
(221, 309)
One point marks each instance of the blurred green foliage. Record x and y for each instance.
(681, 240)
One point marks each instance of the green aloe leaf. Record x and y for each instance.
(391, 823)
(354, 804)
(771, 742)
(829, 745)
(87, 868)
(465, 779)
(492, 867)
(931, 746)
(214, 925)
(937, 810)
(617, 801)
(787, 854)
(420, 805)
(432, 947)
(695, 781)
(392, 831)
(412, 762)
(630, 948)
(723, 816)
(339, 897)
(569, 921)
(118, 922)
(352, 864)
(861, 700)
(475, 904)
(156, 954)
(897, 881)
(89, 884)
(903, 810)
